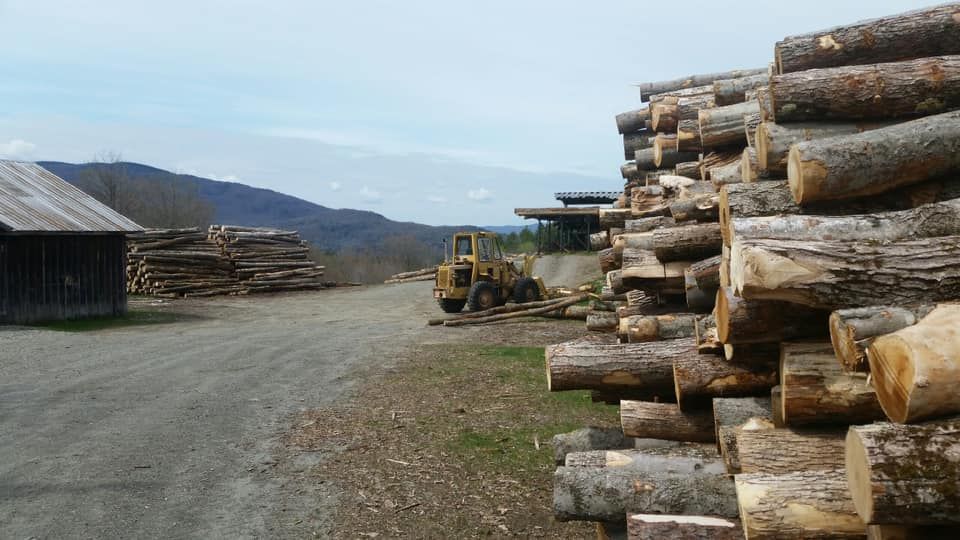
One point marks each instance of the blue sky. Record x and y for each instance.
(433, 111)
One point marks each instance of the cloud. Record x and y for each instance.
(437, 199)
(16, 148)
(335, 186)
(370, 195)
(481, 194)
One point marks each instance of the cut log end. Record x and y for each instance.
(890, 371)
(858, 476)
(844, 343)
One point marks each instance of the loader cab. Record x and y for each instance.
(484, 252)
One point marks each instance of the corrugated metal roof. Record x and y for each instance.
(32, 199)
(612, 195)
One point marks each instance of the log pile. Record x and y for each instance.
(224, 260)
(795, 235)
(423, 274)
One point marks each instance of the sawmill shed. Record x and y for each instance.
(62, 253)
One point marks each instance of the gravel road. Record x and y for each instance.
(173, 430)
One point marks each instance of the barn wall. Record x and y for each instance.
(55, 277)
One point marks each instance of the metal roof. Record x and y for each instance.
(32, 199)
(587, 197)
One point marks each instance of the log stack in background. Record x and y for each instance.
(790, 257)
(225, 260)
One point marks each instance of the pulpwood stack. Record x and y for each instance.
(801, 240)
(225, 260)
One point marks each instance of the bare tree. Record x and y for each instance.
(108, 182)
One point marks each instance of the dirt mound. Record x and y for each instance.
(567, 270)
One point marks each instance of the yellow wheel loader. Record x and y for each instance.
(480, 277)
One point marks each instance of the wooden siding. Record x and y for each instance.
(55, 277)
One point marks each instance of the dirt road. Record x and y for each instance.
(172, 430)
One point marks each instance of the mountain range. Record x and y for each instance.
(331, 229)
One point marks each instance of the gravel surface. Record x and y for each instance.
(174, 430)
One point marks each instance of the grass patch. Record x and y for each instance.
(132, 318)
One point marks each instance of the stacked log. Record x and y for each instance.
(178, 263)
(815, 229)
(268, 260)
(423, 274)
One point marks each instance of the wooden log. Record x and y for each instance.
(779, 450)
(731, 414)
(905, 475)
(853, 330)
(632, 121)
(733, 91)
(808, 504)
(664, 117)
(688, 135)
(725, 174)
(592, 438)
(688, 242)
(602, 321)
(914, 34)
(606, 494)
(706, 336)
(658, 527)
(723, 126)
(752, 353)
(665, 152)
(613, 217)
(642, 270)
(508, 308)
(636, 141)
(741, 320)
(829, 274)
(674, 96)
(765, 102)
(665, 421)
(773, 140)
(689, 169)
(929, 220)
(660, 87)
(513, 315)
(915, 370)
(874, 161)
(750, 123)
(816, 391)
(629, 170)
(699, 379)
(749, 169)
(608, 260)
(716, 158)
(776, 406)
(647, 328)
(688, 108)
(892, 90)
(698, 299)
(600, 241)
(677, 457)
(644, 159)
(636, 366)
(647, 224)
(615, 282)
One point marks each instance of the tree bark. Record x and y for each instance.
(716, 159)
(644, 367)
(749, 168)
(752, 353)
(914, 34)
(704, 208)
(666, 154)
(688, 242)
(608, 260)
(636, 141)
(726, 174)
(853, 330)
(892, 90)
(690, 169)
(916, 370)
(773, 141)
(723, 126)
(613, 217)
(816, 391)
(673, 96)
(597, 438)
(688, 136)
(642, 270)
(602, 321)
(808, 505)
(647, 224)
(730, 414)
(665, 421)
(659, 527)
(632, 121)
(660, 87)
(607, 494)
(680, 458)
(741, 320)
(874, 161)
(731, 91)
(839, 274)
(599, 241)
(643, 159)
(699, 379)
(707, 272)
(647, 328)
(629, 170)
(664, 117)
(529, 312)
(750, 123)
(905, 475)
(779, 450)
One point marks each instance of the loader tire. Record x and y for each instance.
(526, 290)
(483, 295)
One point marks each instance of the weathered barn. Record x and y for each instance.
(62, 253)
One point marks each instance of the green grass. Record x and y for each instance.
(133, 318)
(521, 410)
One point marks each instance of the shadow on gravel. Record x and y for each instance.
(138, 317)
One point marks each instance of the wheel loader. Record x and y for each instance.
(479, 277)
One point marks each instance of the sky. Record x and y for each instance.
(438, 111)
